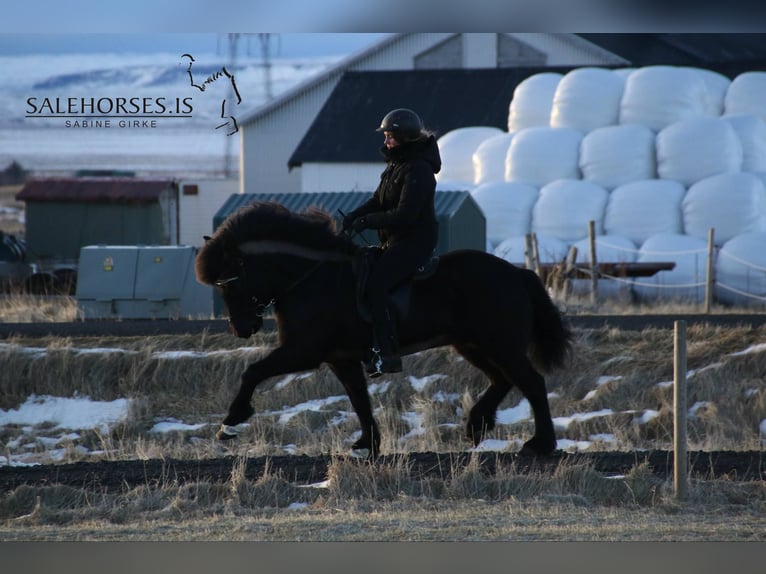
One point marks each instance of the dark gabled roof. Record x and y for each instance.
(344, 129)
(729, 54)
(446, 99)
(94, 189)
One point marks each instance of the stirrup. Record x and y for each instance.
(379, 364)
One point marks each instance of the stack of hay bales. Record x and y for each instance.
(655, 156)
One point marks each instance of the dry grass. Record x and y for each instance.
(11, 211)
(193, 378)
(384, 501)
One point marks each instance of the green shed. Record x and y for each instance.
(461, 222)
(65, 214)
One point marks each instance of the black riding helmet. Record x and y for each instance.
(401, 121)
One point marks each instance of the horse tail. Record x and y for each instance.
(551, 336)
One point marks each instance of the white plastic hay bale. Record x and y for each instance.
(693, 149)
(716, 86)
(741, 270)
(657, 96)
(624, 73)
(489, 159)
(685, 282)
(550, 249)
(609, 248)
(532, 101)
(456, 148)
(541, 155)
(565, 208)
(614, 155)
(730, 203)
(746, 95)
(586, 99)
(507, 208)
(641, 209)
(454, 185)
(751, 131)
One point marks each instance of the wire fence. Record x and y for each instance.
(697, 271)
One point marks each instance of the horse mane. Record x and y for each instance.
(268, 221)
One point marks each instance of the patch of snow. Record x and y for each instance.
(283, 382)
(420, 383)
(442, 397)
(604, 437)
(568, 445)
(174, 425)
(315, 405)
(323, 484)
(493, 445)
(519, 413)
(70, 413)
(378, 388)
(760, 348)
(599, 383)
(697, 406)
(647, 415)
(562, 423)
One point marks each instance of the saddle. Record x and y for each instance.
(400, 298)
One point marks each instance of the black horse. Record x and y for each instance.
(498, 316)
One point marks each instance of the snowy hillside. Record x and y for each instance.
(187, 143)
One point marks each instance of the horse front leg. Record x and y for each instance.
(351, 375)
(280, 361)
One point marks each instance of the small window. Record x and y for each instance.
(190, 190)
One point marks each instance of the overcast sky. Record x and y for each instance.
(289, 45)
(200, 16)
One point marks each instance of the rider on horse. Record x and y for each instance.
(402, 211)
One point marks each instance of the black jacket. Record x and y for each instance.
(403, 204)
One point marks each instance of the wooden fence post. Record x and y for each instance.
(593, 262)
(536, 256)
(528, 250)
(679, 412)
(710, 271)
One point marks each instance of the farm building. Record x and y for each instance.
(65, 214)
(198, 202)
(271, 133)
(275, 138)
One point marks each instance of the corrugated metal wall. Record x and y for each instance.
(57, 230)
(461, 222)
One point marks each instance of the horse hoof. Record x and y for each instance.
(359, 453)
(226, 432)
(531, 448)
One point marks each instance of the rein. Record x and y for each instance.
(256, 248)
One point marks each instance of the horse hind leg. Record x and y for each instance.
(532, 385)
(352, 378)
(481, 418)
(505, 370)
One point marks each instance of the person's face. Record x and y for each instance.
(390, 141)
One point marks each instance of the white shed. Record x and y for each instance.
(199, 200)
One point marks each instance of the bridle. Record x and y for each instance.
(260, 308)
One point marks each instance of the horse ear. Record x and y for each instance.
(206, 238)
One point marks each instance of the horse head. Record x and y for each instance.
(244, 259)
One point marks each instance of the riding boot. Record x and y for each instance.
(385, 351)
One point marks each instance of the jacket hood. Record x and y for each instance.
(426, 150)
